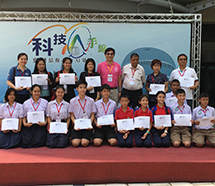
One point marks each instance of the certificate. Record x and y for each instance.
(171, 101)
(58, 128)
(105, 120)
(94, 81)
(162, 120)
(82, 124)
(155, 88)
(40, 79)
(125, 124)
(35, 117)
(205, 122)
(182, 120)
(22, 81)
(142, 121)
(10, 124)
(67, 79)
(186, 82)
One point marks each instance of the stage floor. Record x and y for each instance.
(106, 165)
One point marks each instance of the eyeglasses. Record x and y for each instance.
(109, 54)
(183, 59)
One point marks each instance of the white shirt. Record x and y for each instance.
(137, 74)
(187, 72)
(54, 107)
(14, 111)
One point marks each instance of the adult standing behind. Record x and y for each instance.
(133, 79)
(183, 71)
(19, 70)
(155, 78)
(89, 70)
(66, 68)
(40, 68)
(110, 73)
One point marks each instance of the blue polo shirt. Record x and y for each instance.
(18, 72)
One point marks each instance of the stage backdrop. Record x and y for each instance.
(80, 41)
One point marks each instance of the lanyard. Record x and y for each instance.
(204, 111)
(156, 78)
(37, 105)
(11, 113)
(83, 107)
(21, 72)
(58, 110)
(182, 73)
(133, 72)
(90, 74)
(182, 108)
(107, 107)
(110, 69)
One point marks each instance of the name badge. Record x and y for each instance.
(85, 116)
(45, 87)
(58, 120)
(92, 91)
(65, 87)
(131, 81)
(110, 77)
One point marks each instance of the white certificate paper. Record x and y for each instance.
(205, 122)
(94, 81)
(82, 124)
(10, 124)
(58, 128)
(182, 120)
(35, 117)
(155, 88)
(162, 120)
(105, 120)
(22, 81)
(142, 121)
(186, 82)
(171, 101)
(67, 79)
(125, 124)
(40, 79)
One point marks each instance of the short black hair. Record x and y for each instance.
(181, 55)
(81, 82)
(134, 55)
(8, 93)
(105, 86)
(109, 49)
(203, 95)
(160, 92)
(124, 96)
(143, 96)
(180, 91)
(60, 87)
(22, 54)
(175, 81)
(36, 85)
(92, 61)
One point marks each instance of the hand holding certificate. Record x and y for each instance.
(35, 117)
(186, 82)
(22, 81)
(67, 79)
(182, 120)
(94, 81)
(206, 122)
(40, 79)
(58, 128)
(105, 120)
(82, 124)
(10, 124)
(142, 121)
(125, 124)
(162, 121)
(155, 88)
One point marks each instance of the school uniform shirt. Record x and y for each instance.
(120, 114)
(140, 112)
(105, 109)
(82, 108)
(104, 69)
(18, 72)
(58, 111)
(187, 72)
(199, 113)
(185, 109)
(14, 111)
(156, 110)
(133, 79)
(30, 106)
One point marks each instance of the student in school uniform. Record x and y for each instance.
(202, 133)
(180, 134)
(40, 68)
(160, 135)
(11, 109)
(155, 78)
(105, 106)
(34, 134)
(142, 136)
(66, 68)
(82, 106)
(58, 111)
(89, 70)
(124, 137)
(20, 70)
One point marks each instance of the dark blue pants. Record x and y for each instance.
(158, 141)
(9, 140)
(128, 142)
(57, 140)
(147, 142)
